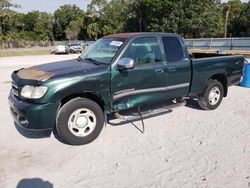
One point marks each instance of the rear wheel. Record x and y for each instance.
(79, 121)
(211, 96)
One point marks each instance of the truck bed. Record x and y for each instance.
(204, 67)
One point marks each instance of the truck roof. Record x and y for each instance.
(127, 35)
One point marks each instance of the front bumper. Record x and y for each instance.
(31, 115)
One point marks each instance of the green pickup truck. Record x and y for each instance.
(118, 72)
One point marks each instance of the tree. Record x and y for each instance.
(44, 26)
(245, 20)
(95, 22)
(93, 31)
(200, 18)
(190, 18)
(115, 16)
(62, 18)
(74, 28)
(236, 11)
(14, 25)
(241, 25)
(5, 14)
(37, 26)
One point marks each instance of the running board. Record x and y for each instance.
(142, 113)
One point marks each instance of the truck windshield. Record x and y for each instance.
(103, 50)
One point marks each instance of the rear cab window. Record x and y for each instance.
(173, 49)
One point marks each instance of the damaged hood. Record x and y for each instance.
(46, 71)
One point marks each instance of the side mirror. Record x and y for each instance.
(125, 63)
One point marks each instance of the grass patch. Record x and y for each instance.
(23, 53)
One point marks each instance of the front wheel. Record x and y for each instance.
(79, 121)
(211, 96)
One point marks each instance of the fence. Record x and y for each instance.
(201, 43)
(219, 43)
(4, 44)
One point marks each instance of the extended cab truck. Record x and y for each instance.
(118, 72)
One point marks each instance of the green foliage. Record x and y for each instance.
(199, 18)
(238, 17)
(6, 5)
(242, 27)
(5, 16)
(190, 18)
(202, 19)
(37, 26)
(63, 16)
(95, 21)
(74, 29)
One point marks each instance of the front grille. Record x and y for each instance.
(14, 89)
(14, 85)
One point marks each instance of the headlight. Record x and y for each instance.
(33, 92)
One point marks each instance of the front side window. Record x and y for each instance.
(173, 49)
(143, 50)
(103, 50)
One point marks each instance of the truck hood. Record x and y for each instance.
(46, 71)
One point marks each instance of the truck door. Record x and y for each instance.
(178, 74)
(145, 81)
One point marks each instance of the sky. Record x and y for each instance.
(47, 5)
(52, 5)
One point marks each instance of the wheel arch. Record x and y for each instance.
(223, 80)
(89, 95)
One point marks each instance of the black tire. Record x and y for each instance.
(67, 114)
(203, 99)
(72, 51)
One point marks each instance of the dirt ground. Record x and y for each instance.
(186, 148)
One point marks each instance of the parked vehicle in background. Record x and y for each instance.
(118, 72)
(74, 47)
(61, 49)
(68, 48)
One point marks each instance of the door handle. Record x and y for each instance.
(159, 70)
(171, 69)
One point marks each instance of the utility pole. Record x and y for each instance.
(226, 20)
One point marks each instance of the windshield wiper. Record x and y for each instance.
(79, 58)
(93, 61)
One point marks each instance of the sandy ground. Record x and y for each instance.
(186, 148)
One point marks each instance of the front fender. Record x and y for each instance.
(63, 87)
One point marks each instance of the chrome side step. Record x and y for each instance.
(129, 116)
